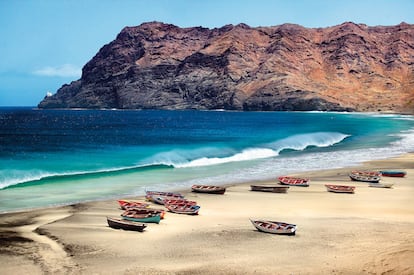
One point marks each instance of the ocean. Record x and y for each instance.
(60, 157)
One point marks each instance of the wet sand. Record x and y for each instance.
(369, 232)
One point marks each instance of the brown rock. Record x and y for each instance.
(288, 67)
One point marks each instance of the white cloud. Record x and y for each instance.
(66, 70)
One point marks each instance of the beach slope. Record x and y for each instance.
(368, 232)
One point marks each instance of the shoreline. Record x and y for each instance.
(366, 232)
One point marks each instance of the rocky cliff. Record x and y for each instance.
(350, 67)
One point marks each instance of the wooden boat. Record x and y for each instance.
(364, 177)
(164, 194)
(381, 185)
(149, 218)
(392, 173)
(117, 223)
(171, 200)
(130, 203)
(138, 210)
(340, 188)
(274, 227)
(269, 188)
(210, 189)
(292, 181)
(158, 199)
(183, 209)
(178, 201)
(366, 173)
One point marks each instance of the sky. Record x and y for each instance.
(45, 43)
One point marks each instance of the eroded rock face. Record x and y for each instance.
(288, 67)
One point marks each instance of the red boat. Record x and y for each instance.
(130, 203)
(138, 210)
(366, 173)
(292, 181)
(340, 188)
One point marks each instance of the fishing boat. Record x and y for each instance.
(130, 203)
(117, 223)
(274, 227)
(158, 199)
(164, 194)
(148, 218)
(138, 210)
(211, 189)
(171, 200)
(178, 201)
(183, 209)
(340, 188)
(292, 181)
(392, 173)
(270, 188)
(366, 173)
(381, 185)
(364, 177)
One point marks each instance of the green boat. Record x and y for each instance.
(143, 218)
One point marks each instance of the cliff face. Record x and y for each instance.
(287, 67)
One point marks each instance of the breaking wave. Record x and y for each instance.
(206, 156)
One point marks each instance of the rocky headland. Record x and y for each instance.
(349, 67)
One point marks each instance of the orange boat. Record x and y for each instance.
(292, 181)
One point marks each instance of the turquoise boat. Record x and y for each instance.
(143, 218)
(393, 173)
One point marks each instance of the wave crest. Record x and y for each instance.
(302, 141)
(295, 142)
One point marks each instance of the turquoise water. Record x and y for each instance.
(57, 157)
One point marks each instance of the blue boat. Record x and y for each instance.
(393, 173)
(142, 218)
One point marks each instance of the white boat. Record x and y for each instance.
(365, 176)
(274, 227)
(340, 188)
(381, 185)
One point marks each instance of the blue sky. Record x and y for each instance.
(45, 43)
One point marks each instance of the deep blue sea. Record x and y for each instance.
(58, 157)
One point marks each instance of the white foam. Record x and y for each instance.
(248, 154)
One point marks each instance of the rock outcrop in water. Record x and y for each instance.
(350, 67)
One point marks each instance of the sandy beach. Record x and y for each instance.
(369, 232)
